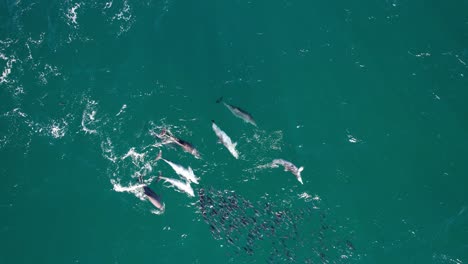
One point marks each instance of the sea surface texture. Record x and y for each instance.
(369, 97)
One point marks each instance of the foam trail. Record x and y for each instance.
(131, 188)
(89, 117)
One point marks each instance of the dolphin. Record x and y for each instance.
(186, 173)
(186, 146)
(225, 139)
(152, 196)
(288, 166)
(185, 187)
(238, 112)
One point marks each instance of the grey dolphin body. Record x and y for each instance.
(186, 146)
(238, 112)
(152, 196)
(288, 166)
(225, 139)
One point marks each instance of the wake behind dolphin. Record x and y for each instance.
(238, 112)
(185, 173)
(225, 139)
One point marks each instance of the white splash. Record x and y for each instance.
(420, 55)
(7, 71)
(108, 150)
(132, 188)
(58, 129)
(351, 138)
(137, 189)
(157, 212)
(19, 90)
(125, 13)
(48, 69)
(136, 157)
(307, 197)
(122, 110)
(72, 15)
(460, 60)
(89, 117)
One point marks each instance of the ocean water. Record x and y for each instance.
(368, 96)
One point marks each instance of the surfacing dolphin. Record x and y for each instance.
(288, 166)
(225, 139)
(186, 173)
(182, 186)
(167, 137)
(238, 112)
(152, 196)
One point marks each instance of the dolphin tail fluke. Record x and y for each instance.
(300, 169)
(300, 180)
(219, 100)
(159, 155)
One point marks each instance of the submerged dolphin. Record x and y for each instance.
(238, 112)
(152, 196)
(225, 139)
(288, 166)
(185, 187)
(186, 146)
(186, 173)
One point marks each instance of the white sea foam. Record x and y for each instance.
(15, 112)
(108, 5)
(48, 70)
(307, 197)
(158, 212)
(131, 188)
(8, 67)
(136, 189)
(124, 18)
(72, 15)
(58, 129)
(136, 157)
(351, 138)
(125, 13)
(89, 117)
(108, 150)
(122, 110)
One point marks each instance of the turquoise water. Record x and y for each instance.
(369, 96)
